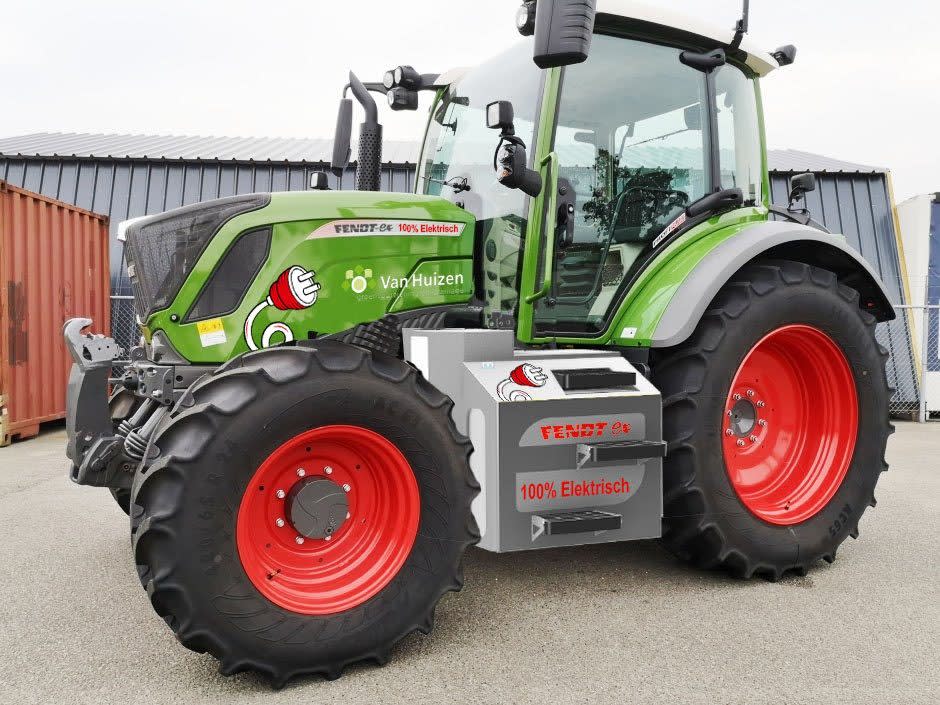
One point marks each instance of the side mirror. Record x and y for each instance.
(510, 160)
(800, 185)
(563, 31)
(319, 181)
(341, 138)
(512, 169)
(500, 116)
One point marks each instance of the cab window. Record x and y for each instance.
(633, 145)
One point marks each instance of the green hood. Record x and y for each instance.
(309, 264)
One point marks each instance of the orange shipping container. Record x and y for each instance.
(53, 266)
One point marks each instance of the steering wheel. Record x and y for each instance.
(669, 200)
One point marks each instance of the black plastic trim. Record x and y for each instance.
(594, 378)
(626, 450)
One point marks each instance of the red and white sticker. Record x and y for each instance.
(670, 229)
(372, 227)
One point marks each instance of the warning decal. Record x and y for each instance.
(211, 332)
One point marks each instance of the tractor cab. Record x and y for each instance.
(657, 130)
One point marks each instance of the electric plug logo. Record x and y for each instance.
(513, 388)
(295, 289)
(358, 280)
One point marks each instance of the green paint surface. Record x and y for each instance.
(361, 276)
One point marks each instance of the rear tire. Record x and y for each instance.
(772, 488)
(204, 532)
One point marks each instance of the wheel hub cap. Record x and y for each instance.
(743, 417)
(317, 507)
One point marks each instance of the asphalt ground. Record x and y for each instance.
(603, 624)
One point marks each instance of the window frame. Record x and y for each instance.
(269, 230)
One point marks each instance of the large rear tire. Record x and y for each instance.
(309, 508)
(776, 416)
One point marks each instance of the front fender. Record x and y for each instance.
(775, 239)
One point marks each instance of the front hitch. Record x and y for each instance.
(92, 446)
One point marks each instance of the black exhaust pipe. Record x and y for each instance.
(369, 166)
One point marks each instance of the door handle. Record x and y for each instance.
(549, 216)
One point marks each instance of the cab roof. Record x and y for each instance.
(758, 60)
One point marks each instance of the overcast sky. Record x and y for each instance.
(864, 88)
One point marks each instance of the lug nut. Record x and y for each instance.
(346, 487)
(328, 470)
(301, 472)
(280, 494)
(753, 439)
(729, 432)
(279, 522)
(762, 422)
(737, 397)
(299, 539)
(750, 392)
(740, 441)
(760, 404)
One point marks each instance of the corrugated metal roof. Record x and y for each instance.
(797, 161)
(246, 149)
(297, 150)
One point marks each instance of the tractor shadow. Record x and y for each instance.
(504, 594)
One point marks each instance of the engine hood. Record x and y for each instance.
(312, 263)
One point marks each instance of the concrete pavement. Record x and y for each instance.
(615, 623)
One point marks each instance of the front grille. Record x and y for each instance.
(162, 251)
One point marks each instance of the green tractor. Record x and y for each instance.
(587, 324)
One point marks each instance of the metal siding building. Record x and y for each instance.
(857, 201)
(125, 176)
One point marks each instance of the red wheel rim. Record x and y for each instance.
(790, 424)
(329, 575)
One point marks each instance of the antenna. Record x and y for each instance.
(740, 29)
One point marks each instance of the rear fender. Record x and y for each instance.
(771, 239)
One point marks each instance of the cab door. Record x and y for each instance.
(628, 153)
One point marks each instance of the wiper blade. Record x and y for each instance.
(458, 183)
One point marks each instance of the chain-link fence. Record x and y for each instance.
(912, 340)
(124, 328)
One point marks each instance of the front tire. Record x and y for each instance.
(122, 497)
(309, 508)
(776, 416)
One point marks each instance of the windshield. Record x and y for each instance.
(458, 152)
